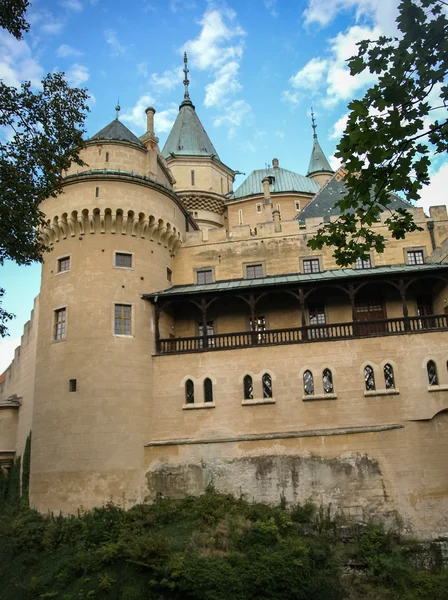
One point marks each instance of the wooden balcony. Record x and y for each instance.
(302, 335)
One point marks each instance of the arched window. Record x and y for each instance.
(208, 390)
(308, 383)
(189, 392)
(267, 386)
(248, 388)
(369, 378)
(432, 373)
(327, 379)
(389, 379)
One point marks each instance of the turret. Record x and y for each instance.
(202, 180)
(319, 168)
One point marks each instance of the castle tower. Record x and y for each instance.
(202, 180)
(319, 168)
(113, 233)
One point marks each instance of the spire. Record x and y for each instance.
(314, 126)
(318, 160)
(117, 109)
(186, 80)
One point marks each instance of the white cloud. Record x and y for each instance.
(164, 120)
(45, 22)
(234, 116)
(271, 7)
(77, 74)
(338, 128)
(335, 163)
(291, 97)
(111, 39)
(136, 115)
(74, 5)
(16, 62)
(66, 50)
(436, 192)
(280, 134)
(226, 84)
(142, 69)
(178, 5)
(168, 79)
(310, 76)
(7, 347)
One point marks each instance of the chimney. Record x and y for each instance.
(275, 163)
(266, 190)
(150, 112)
(276, 217)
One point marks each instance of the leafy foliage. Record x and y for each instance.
(12, 17)
(390, 133)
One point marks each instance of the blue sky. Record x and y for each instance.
(256, 68)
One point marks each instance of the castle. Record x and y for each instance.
(185, 335)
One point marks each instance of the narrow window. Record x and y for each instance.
(123, 260)
(208, 390)
(60, 319)
(311, 265)
(169, 274)
(63, 264)
(240, 217)
(317, 317)
(415, 257)
(363, 263)
(369, 378)
(222, 185)
(297, 204)
(327, 379)
(278, 208)
(248, 388)
(254, 271)
(189, 392)
(72, 385)
(122, 321)
(204, 276)
(107, 156)
(258, 324)
(389, 379)
(97, 192)
(308, 383)
(432, 373)
(258, 208)
(192, 178)
(267, 386)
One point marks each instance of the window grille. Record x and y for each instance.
(363, 263)
(208, 390)
(123, 315)
(63, 264)
(123, 259)
(189, 392)
(327, 379)
(60, 319)
(248, 388)
(389, 379)
(204, 276)
(369, 378)
(415, 257)
(254, 271)
(267, 386)
(308, 383)
(311, 265)
(432, 373)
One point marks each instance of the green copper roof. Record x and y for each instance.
(188, 137)
(318, 161)
(118, 132)
(282, 181)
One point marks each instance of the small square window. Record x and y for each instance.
(415, 257)
(258, 208)
(60, 321)
(363, 263)
(63, 264)
(311, 265)
(204, 276)
(169, 275)
(123, 260)
(254, 271)
(122, 319)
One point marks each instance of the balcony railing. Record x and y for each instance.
(300, 335)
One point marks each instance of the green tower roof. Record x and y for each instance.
(318, 160)
(282, 180)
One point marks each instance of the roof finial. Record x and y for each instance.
(313, 123)
(186, 80)
(117, 109)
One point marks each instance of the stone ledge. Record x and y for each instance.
(438, 388)
(316, 397)
(258, 401)
(198, 405)
(391, 392)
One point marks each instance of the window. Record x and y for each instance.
(97, 192)
(297, 205)
(248, 388)
(389, 379)
(254, 271)
(327, 379)
(208, 390)
(363, 263)
(311, 265)
(192, 177)
(169, 274)
(308, 383)
(369, 378)
(107, 156)
(189, 392)
(123, 260)
(122, 325)
(204, 276)
(432, 373)
(415, 257)
(258, 208)
(60, 320)
(63, 264)
(240, 217)
(72, 385)
(317, 317)
(267, 385)
(258, 324)
(209, 330)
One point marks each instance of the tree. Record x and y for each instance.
(390, 134)
(43, 131)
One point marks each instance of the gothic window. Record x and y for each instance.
(327, 379)
(60, 320)
(208, 390)
(248, 388)
(308, 383)
(267, 386)
(389, 379)
(432, 373)
(189, 392)
(122, 319)
(369, 378)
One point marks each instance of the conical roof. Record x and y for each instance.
(118, 132)
(318, 160)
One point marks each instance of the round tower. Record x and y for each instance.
(113, 233)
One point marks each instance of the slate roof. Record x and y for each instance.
(118, 132)
(318, 160)
(296, 278)
(284, 181)
(323, 204)
(188, 136)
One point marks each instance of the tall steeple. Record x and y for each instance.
(319, 167)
